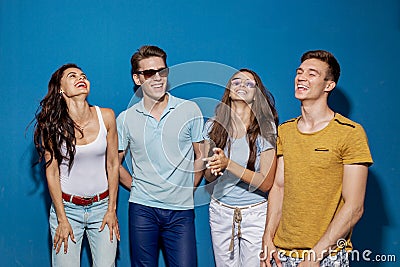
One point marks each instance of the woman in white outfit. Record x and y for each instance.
(241, 164)
(78, 143)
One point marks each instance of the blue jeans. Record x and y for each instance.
(172, 230)
(85, 219)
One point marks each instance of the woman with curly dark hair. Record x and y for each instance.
(241, 147)
(79, 145)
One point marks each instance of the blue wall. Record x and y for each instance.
(36, 37)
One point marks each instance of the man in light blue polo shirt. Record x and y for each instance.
(164, 135)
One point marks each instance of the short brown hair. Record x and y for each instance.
(327, 57)
(144, 52)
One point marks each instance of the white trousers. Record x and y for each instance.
(247, 247)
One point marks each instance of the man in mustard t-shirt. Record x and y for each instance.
(319, 188)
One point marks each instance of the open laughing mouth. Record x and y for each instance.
(81, 85)
(301, 87)
(157, 85)
(241, 92)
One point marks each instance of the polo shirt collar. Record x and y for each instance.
(172, 103)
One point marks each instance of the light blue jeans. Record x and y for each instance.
(85, 219)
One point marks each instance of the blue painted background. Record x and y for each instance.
(36, 37)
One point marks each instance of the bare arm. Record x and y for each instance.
(110, 218)
(262, 180)
(198, 162)
(353, 193)
(210, 177)
(274, 213)
(125, 177)
(64, 229)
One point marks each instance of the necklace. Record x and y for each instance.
(82, 127)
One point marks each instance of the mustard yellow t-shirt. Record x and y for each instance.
(313, 174)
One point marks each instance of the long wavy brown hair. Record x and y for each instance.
(54, 127)
(263, 119)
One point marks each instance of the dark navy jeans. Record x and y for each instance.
(171, 230)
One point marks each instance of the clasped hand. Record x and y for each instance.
(218, 162)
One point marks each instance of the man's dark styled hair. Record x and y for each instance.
(327, 57)
(144, 52)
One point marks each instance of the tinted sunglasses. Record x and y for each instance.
(238, 82)
(163, 72)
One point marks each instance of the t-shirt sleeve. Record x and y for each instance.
(122, 132)
(356, 149)
(263, 144)
(197, 125)
(207, 129)
(279, 151)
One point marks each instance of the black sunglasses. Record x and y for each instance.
(163, 72)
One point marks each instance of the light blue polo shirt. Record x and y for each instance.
(162, 152)
(229, 189)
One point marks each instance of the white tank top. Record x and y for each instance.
(88, 173)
